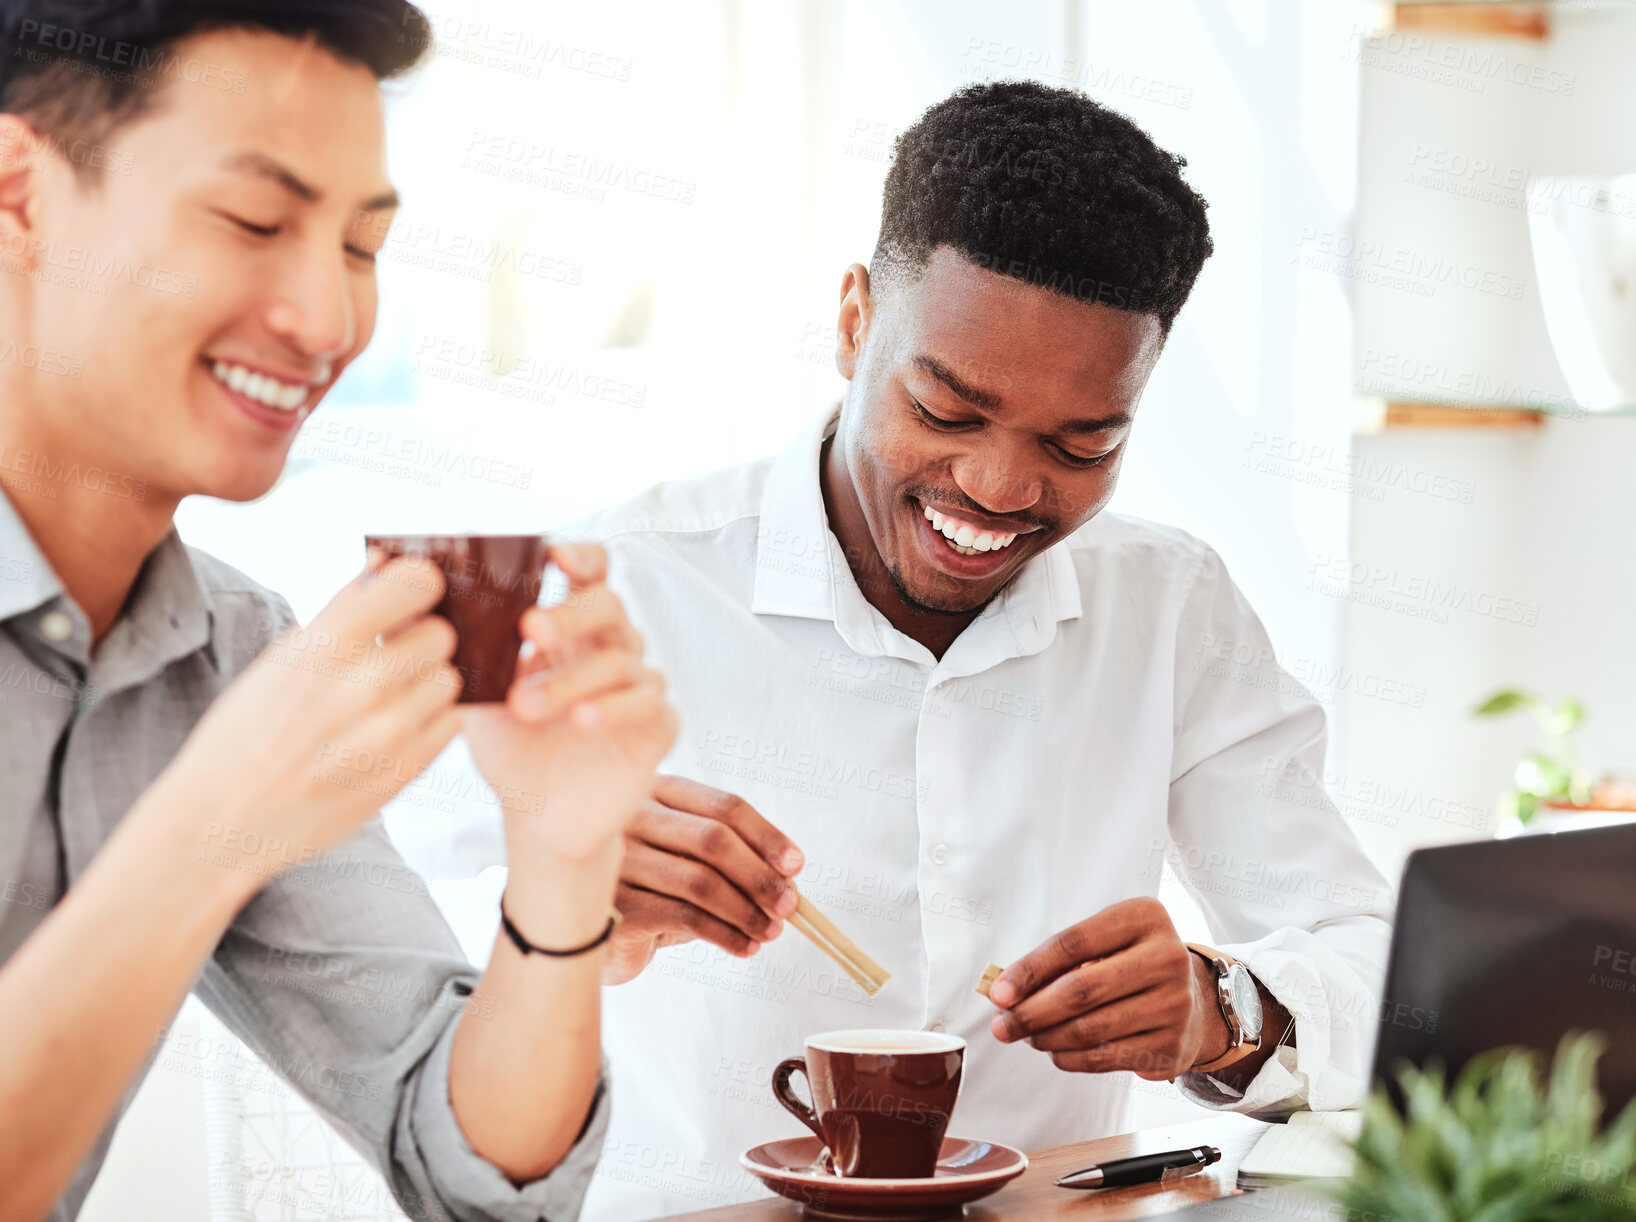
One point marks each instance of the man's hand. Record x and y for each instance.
(572, 752)
(323, 729)
(700, 863)
(1117, 991)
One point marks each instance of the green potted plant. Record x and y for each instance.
(1501, 1146)
(1552, 790)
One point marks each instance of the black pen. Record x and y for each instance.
(1143, 1169)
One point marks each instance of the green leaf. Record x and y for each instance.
(1506, 1142)
(1543, 776)
(1565, 718)
(1504, 701)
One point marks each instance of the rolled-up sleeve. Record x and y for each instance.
(1282, 879)
(441, 1164)
(344, 978)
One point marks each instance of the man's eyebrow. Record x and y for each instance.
(968, 392)
(266, 167)
(1105, 425)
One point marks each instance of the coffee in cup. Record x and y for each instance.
(881, 1099)
(489, 581)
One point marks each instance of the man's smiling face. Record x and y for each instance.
(249, 224)
(986, 420)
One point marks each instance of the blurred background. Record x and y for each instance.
(1399, 402)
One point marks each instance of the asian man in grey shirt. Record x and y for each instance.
(191, 780)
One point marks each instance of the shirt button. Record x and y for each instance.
(55, 626)
(940, 855)
(937, 1026)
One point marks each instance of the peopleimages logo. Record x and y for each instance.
(42, 39)
(99, 268)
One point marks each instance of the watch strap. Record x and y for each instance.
(1241, 1045)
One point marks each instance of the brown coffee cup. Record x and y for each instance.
(489, 580)
(881, 1100)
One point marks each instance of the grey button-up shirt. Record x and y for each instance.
(341, 974)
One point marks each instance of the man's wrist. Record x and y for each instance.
(561, 901)
(1218, 1033)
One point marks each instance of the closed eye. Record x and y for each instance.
(1079, 461)
(938, 422)
(261, 231)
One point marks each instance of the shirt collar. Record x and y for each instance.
(27, 582)
(168, 615)
(801, 571)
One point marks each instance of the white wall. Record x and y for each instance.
(1511, 524)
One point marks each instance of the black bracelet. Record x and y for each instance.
(528, 948)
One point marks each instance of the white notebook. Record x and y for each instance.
(1312, 1145)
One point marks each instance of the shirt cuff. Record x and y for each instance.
(467, 1186)
(1277, 1088)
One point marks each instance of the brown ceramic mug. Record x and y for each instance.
(880, 1099)
(489, 581)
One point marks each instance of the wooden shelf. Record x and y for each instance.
(1493, 20)
(1401, 415)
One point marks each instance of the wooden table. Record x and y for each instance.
(1034, 1197)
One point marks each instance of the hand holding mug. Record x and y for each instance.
(325, 727)
(572, 751)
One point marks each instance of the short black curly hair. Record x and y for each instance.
(1050, 187)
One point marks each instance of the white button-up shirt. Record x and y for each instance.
(1114, 713)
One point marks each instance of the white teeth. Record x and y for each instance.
(284, 396)
(967, 540)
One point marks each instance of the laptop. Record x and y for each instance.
(1515, 942)
(1499, 942)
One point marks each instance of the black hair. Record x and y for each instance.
(1051, 188)
(78, 69)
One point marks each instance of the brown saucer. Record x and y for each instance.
(966, 1171)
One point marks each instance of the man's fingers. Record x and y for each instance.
(774, 847)
(1147, 1056)
(697, 885)
(382, 602)
(586, 619)
(720, 846)
(1147, 1011)
(436, 733)
(546, 694)
(648, 913)
(1077, 991)
(1106, 933)
(582, 563)
(641, 705)
(418, 654)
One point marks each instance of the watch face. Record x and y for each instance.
(1246, 1001)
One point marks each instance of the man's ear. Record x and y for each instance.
(852, 328)
(19, 193)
